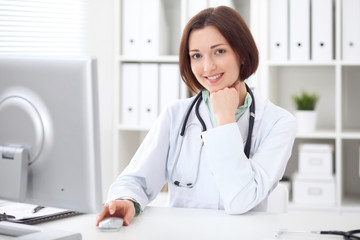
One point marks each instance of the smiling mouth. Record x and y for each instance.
(215, 77)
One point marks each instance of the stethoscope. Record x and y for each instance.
(349, 235)
(197, 101)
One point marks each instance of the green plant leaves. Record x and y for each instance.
(305, 101)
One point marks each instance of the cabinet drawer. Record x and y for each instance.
(315, 159)
(314, 191)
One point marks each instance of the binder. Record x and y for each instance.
(169, 84)
(351, 30)
(149, 89)
(154, 41)
(194, 7)
(216, 3)
(299, 14)
(130, 93)
(322, 30)
(278, 24)
(144, 28)
(131, 27)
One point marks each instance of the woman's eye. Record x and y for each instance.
(196, 56)
(220, 51)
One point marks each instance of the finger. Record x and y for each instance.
(129, 215)
(112, 207)
(101, 215)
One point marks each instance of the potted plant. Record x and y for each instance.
(306, 114)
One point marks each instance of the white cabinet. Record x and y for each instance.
(337, 81)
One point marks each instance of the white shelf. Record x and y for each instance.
(348, 205)
(294, 63)
(157, 59)
(348, 63)
(311, 63)
(319, 134)
(292, 207)
(123, 127)
(350, 135)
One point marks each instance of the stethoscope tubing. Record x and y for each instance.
(197, 101)
(182, 132)
(251, 122)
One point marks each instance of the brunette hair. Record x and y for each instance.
(234, 29)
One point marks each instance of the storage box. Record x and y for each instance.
(314, 190)
(316, 159)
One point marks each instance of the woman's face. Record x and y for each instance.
(213, 62)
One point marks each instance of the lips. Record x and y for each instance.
(214, 78)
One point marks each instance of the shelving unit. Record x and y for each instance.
(337, 82)
(127, 138)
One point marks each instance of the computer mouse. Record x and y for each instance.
(111, 224)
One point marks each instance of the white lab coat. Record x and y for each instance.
(227, 179)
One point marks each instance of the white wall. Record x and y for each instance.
(102, 46)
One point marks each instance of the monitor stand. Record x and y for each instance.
(26, 232)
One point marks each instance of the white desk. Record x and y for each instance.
(175, 223)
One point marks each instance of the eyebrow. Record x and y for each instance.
(216, 45)
(212, 47)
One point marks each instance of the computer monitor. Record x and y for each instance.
(49, 117)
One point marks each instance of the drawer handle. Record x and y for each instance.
(315, 191)
(315, 161)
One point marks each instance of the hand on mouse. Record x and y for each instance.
(118, 208)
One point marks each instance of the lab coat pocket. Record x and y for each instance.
(187, 167)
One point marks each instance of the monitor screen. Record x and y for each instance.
(49, 109)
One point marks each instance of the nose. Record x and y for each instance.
(209, 64)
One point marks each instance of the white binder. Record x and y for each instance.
(131, 27)
(278, 24)
(169, 84)
(144, 28)
(130, 93)
(149, 89)
(322, 30)
(216, 3)
(299, 15)
(194, 7)
(351, 30)
(154, 41)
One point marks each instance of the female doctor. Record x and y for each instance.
(215, 150)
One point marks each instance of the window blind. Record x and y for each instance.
(44, 27)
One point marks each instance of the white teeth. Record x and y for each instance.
(214, 77)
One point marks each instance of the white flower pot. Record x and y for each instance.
(306, 120)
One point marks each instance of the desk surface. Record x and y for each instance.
(175, 223)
